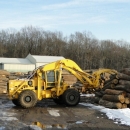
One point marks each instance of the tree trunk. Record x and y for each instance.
(99, 94)
(110, 104)
(114, 98)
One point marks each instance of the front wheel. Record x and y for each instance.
(71, 97)
(27, 99)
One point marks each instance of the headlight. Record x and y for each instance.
(30, 83)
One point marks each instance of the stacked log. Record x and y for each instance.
(105, 78)
(116, 91)
(18, 75)
(68, 78)
(3, 80)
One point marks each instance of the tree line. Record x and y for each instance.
(82, 47)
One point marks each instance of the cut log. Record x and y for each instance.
(13, 77)
(115, 81)
(110, 104)
(4, 79)
(4, 72)
(101, 85)
(3, 84)
(128, 95)
(106, 86)
(124, 82)
(124, 105)
(96, 99)
(115, 92)
(127, 100)
(66, 76)
(2, 76)
(114, 98)
(122, 76)
(122, 87)
(99, 94)
(3, 87)
(111, 78)
(113, 86)
(125, 71)
(69, 82)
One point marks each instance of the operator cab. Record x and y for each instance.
(51, 79)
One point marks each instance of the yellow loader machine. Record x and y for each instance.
(46, 82)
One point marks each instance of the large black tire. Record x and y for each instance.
(71, 97)
(58, 100)
(15, 102)
(27, 99)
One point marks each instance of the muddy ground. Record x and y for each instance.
(49, 115)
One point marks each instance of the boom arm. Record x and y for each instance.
(91, 81)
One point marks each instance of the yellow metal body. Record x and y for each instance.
(46, 81)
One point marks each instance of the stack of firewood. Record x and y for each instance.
(3, 80)
(116, 91)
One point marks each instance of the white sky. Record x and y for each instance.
(105, 19)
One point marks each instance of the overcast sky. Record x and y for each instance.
(105, 19)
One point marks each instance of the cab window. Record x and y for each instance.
(50, 76)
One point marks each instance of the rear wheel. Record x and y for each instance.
(15, 102)
(27, 99)
(71, 97)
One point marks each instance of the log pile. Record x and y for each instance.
(18, 75)
(116, 91)
(3, 80)
(68, 78)
(5, 76)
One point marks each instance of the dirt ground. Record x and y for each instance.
(49, 115)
